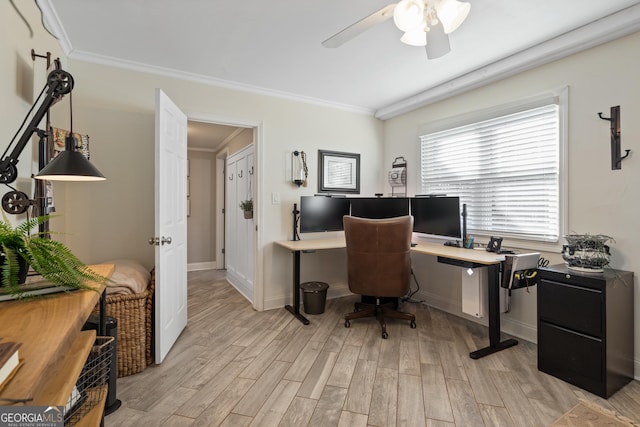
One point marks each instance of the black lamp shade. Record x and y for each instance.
(70, 165)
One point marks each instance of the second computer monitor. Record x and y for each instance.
(320, 213)
(439, 216)
(379, 207)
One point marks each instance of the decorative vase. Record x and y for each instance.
(248, 214)
(586, 252)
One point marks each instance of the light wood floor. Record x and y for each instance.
(233, 366)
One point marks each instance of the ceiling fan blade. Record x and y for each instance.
(359, 27)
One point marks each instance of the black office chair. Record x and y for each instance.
(378, 265)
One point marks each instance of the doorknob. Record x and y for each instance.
(158, 241)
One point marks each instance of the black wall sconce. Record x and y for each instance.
(616, 158)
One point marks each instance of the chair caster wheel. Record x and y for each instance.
(347, 324)
(413, 324)
(385, 335)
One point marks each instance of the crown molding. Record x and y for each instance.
(56, 26)
(50, 16)
(614, 26)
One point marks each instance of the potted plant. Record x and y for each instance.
(247, 208)
(19, 249)
(586, 252)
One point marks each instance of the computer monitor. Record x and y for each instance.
(438, 216)
(379, 207)
(322, 213)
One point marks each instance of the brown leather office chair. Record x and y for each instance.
(378, 265)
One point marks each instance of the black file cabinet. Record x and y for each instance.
(585, 328)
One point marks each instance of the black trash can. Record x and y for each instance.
(314, 296)
(111, 324)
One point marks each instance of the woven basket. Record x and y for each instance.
(130, 312)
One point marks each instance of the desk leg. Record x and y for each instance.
(102, 327)
(295, 310)
(494, 317)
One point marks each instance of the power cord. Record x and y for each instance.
(409, 297)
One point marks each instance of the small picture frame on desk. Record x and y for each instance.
(338, 172)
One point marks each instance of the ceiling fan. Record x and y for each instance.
(424, 23)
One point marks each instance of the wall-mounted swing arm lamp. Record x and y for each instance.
(70, 165)
(59, 83)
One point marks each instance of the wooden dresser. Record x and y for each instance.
(54, 348)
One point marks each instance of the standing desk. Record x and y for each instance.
(467, 258)
(296, 247)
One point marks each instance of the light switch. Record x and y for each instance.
(275, 198)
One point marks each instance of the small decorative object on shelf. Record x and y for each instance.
(247, 208)
(587, 253)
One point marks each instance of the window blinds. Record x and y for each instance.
(506, 170)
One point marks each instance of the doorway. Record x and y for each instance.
(217, 138)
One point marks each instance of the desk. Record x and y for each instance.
(296, 247)
(445, 254)
(53, 347)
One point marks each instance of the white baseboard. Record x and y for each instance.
(338, 292)
(198, 266)
(513, 327)
(242, 286)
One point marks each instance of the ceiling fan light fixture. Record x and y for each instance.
(408, 15)
(414, 38)
(452, 14)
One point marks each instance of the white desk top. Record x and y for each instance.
(471, 255)
(313, 244)
(435, 249)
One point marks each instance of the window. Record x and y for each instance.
(507, 169)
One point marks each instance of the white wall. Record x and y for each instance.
(201, 231)
(240, 141)
(21, 81)
(116, 106)
(114, 218)
(600, 200)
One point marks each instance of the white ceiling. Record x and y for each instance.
(275, 46)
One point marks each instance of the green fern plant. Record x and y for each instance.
(49, 258)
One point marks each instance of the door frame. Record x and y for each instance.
(257, 126)
(221, 218)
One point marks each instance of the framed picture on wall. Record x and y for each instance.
(338, 172)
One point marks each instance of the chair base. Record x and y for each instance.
(379, 311)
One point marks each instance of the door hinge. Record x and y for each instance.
(223, 210)
(222, 250)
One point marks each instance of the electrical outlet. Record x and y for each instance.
(275, 198)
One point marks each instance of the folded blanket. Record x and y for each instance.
(129, 277)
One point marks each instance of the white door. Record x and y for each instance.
(240, 230)
(170, 224)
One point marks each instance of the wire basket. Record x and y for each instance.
(92, 383)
